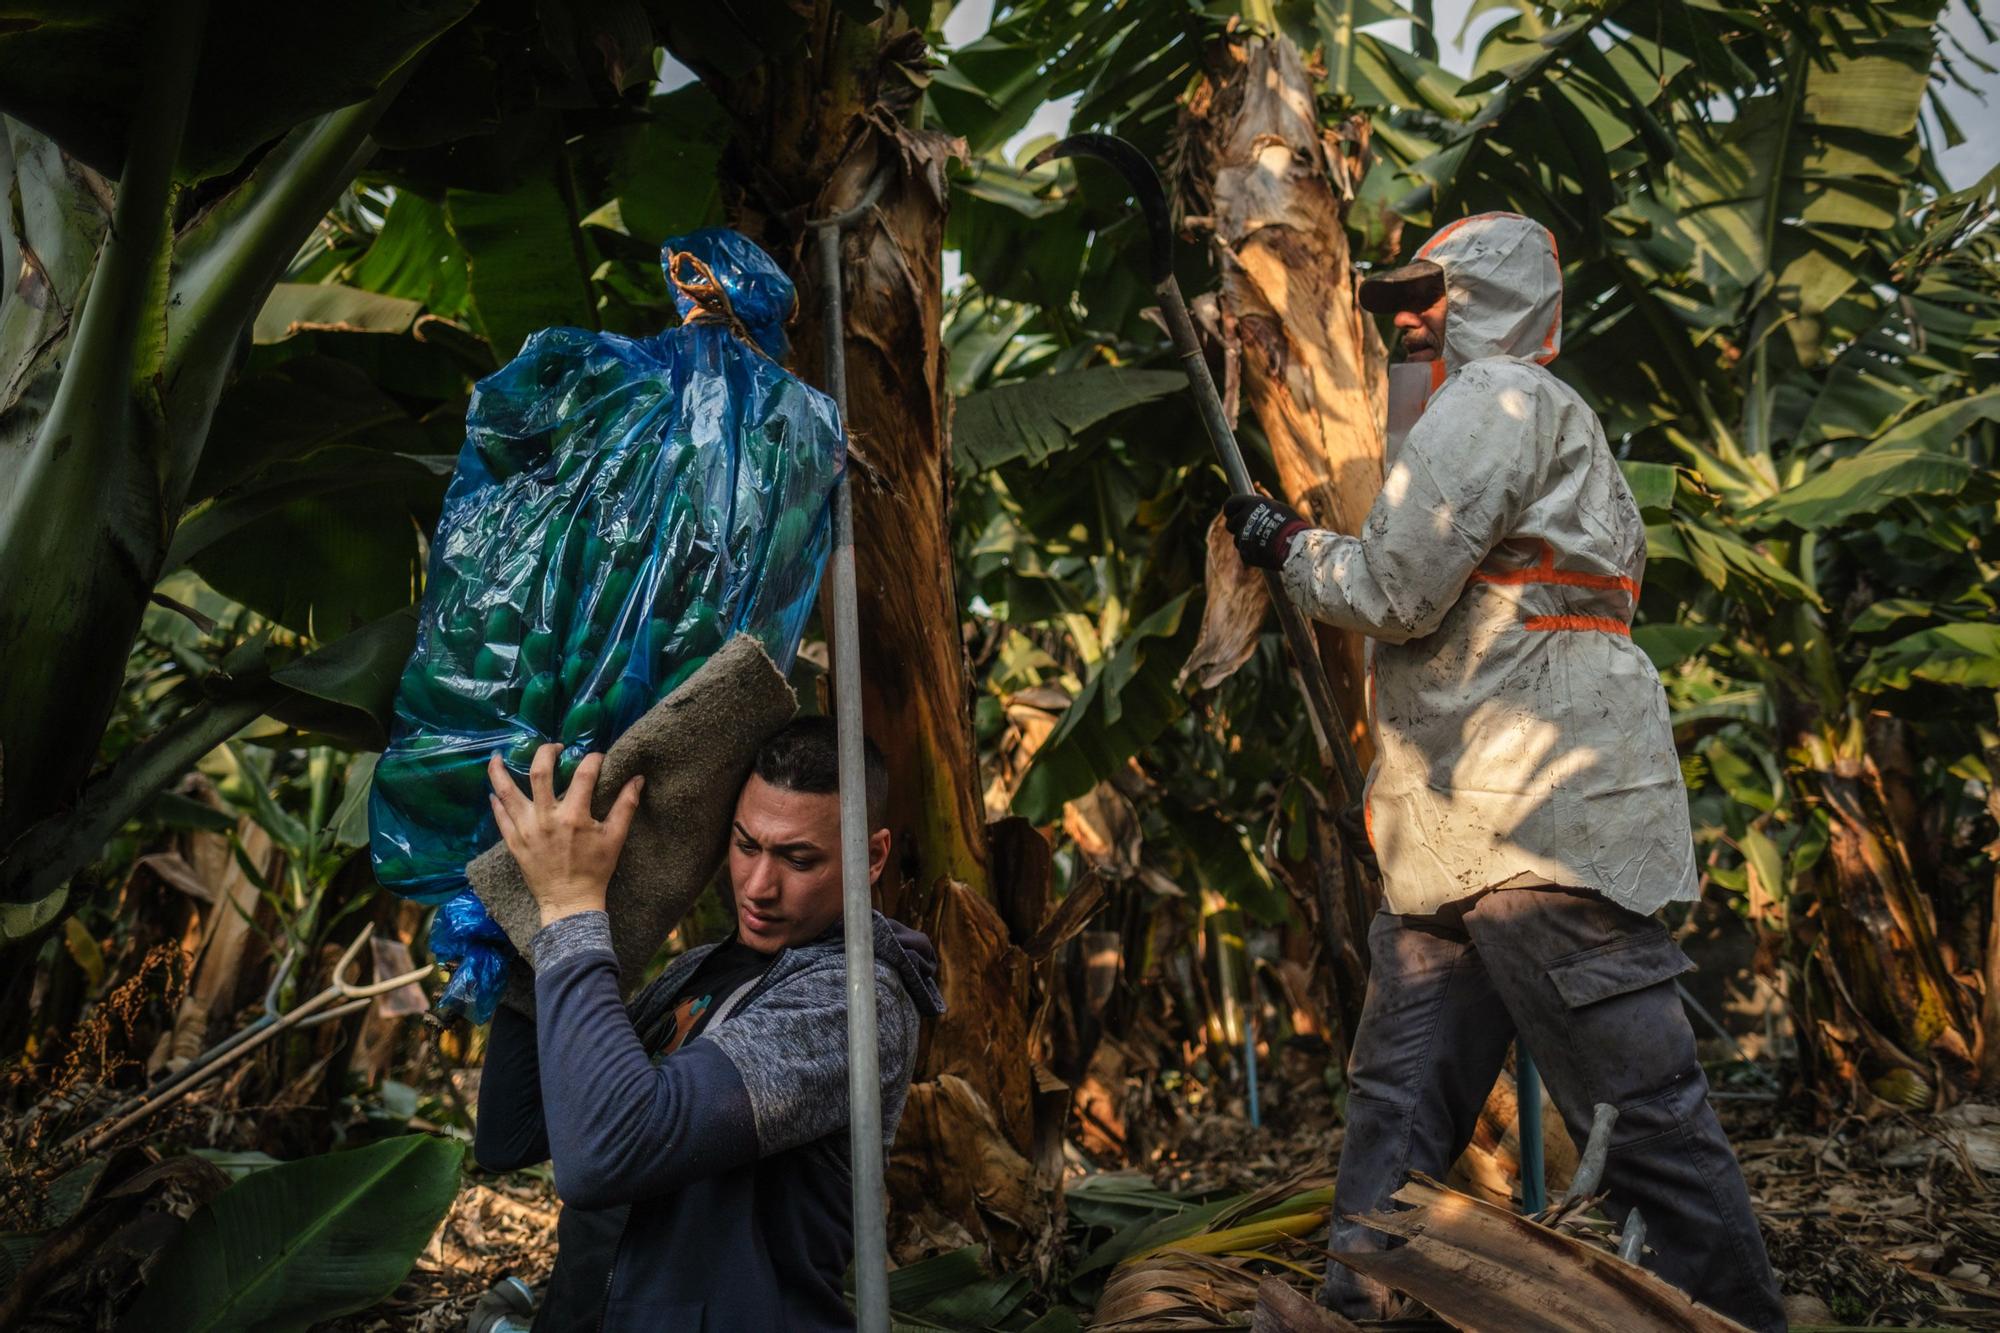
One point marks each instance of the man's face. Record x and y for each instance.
(784, 864)
(1423, 332)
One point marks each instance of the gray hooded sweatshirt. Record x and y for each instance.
(708, 1189)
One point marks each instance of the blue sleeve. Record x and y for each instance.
(510, 1132)
(619, 1127)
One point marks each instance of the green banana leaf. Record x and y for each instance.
(1125, 705)
(1035, 418)
(1913, 458)
(1777, 199)
(1960, 654)
(303, 1241)
(528, 260)
(1653, 484)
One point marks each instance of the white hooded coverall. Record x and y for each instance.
(1521, 736)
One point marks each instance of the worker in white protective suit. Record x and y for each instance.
(1526, 804)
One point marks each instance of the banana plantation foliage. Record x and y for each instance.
(254, 265)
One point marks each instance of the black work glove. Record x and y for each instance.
(1263, 529)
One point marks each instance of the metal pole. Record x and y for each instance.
(1250, 1062)
(864, 1079)
(1528, 1105)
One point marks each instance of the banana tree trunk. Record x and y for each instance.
(812, 134)
(1314, 369)
(1879, 1010)
(1883, 1010)
(973, 1083)
(916, 685)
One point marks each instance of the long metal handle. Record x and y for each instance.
(864, 1079)
(1334, 738)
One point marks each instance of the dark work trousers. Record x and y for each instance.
(1589, 986)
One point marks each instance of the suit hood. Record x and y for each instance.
(1503, 288)
(911, 953)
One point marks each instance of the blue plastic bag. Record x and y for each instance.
(622, 507)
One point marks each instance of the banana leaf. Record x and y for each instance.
(303, 1241)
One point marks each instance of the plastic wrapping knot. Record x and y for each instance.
(621, 508)
(714, 280)
(702, 298)
(462, 932)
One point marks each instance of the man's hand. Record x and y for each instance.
(1263, 529)
(565, 855)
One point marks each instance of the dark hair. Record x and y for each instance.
(805, 757)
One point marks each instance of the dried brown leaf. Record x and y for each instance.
(1483, 1267)
(1177, 1290)
(1032, 715)
(1105, 828)
(173, 868)
(1238, 601)
(1281, 1309)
